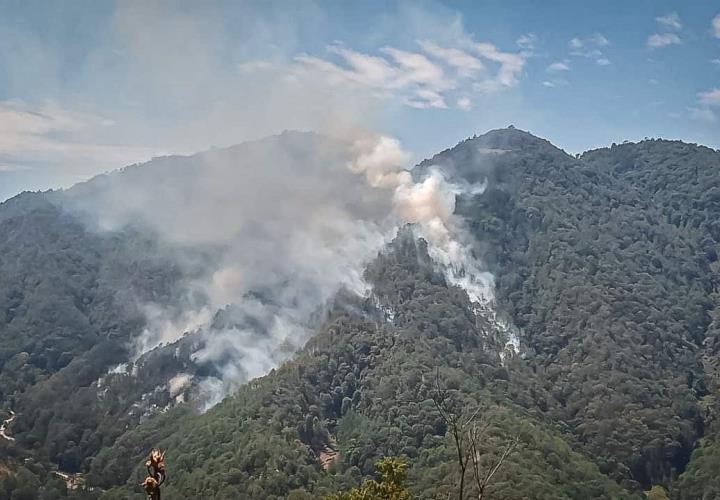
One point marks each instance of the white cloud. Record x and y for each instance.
(555, 83)
(428, 79)
(710, 97)
(182, 80)
(558, 66)
(706, 100)
(16, 117)
(48, 132)
(464, 103)
(511, 64)
(590, 48)
(372, 71)
(594, 40)
(716, 26)
(418, 69)
(658, 40)
(174, 79)
(466, 64)
(671, 21)
(411, 76)
(426, 98)
(716, 61)
(527, 42)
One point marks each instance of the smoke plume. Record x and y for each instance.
(284, 222)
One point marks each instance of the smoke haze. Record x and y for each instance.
(287, 221)
(276, 226)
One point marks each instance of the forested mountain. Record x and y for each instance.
(605, 267)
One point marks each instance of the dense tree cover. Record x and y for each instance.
(362, 387)
(606, 263)
(700, 479)
(65, 290)
(69, 305)
(391, 486)
(99, 409)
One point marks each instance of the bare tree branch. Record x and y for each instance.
(467, 434)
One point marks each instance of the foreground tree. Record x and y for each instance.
(468, 434)
(393, 472)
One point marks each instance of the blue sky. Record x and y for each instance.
(89, 86)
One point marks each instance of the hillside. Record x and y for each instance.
(605, 266)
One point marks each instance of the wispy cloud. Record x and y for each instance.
(591, 47)
(511, 64)
(706, 101)
(555, 83)
(466, 64)
(671, 21)
(47, 133)
(594, 40)
(429, 77)
(558, 66)
(527, 42)
(418, 69)
(659, 40)
(710, 97)
(716, 26)
(426, 98)
(464, 103)
(411, 76)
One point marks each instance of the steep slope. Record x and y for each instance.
(605, 267)
(604, 263)
(95, 276)
(69, 305)
(363, 386)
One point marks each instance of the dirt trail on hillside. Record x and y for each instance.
(328, 454)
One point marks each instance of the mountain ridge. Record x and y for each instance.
(605, 262)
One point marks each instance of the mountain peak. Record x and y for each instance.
(478, 156)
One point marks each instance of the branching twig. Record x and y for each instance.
(467, 434)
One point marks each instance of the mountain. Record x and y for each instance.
(605, 268)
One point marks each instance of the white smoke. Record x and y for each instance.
(164, 327)
(430, 205)
(179, 383)
(289, 220)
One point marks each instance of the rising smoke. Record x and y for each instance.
(290, 220)
(282, 223)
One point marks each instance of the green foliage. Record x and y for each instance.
(68, 309)
(700, 479)
(392, 473)
(656, 493)
(607, 264)
(266, 441)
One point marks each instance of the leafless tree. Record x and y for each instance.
(468, 433)
(482, 474)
